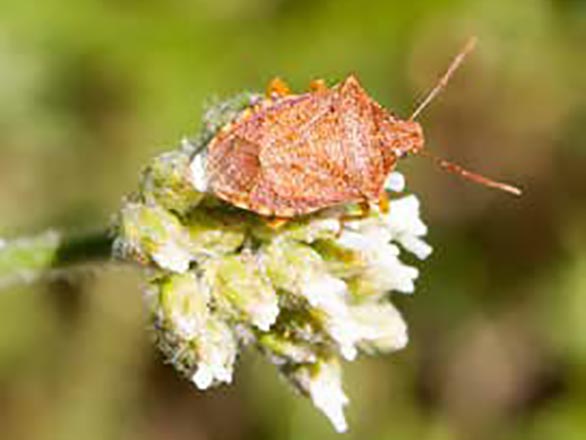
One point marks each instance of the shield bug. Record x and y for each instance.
(290, 155)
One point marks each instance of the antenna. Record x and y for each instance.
(474, 177)
(443, 81)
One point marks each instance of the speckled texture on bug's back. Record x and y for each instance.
(301, 153)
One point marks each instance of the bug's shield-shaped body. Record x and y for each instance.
(296, 154)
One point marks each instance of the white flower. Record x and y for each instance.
(326, 293)
(172, 256)
(198, 173)
(183, 302)
(329, 295)
(402, 224)
(203, 377)
(349, 326)
(406, 227)
(323, 382)
(264, 312)
(395, 182)
(346, 334)
(379, 326)
(217, 349)
(384, 269)
(388, 272)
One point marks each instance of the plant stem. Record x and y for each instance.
(24, 260)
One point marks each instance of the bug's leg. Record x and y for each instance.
(384, 203)
(318, 85)
(277, 87)
(275, 223)
(364, 211)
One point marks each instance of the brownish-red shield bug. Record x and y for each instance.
(290, 155)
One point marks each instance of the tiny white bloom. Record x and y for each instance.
(350, 325)
(329, 294)
(185, 326)
(326, 293)
(359, 242)
(395, 182)
(380, 325)
(172, 257)
(389, 271)
(406, 227)
(217, 349)
(403, 216)
(325, 389)
(198, 173)
(203, 377)
(211, 370)
(384, 268)
(264, 312)
(416, 246)
(346, 334)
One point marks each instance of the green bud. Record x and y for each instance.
(289, 264)
(183, 304)
(213, 232)
(287, 350)
(150, 233)
(242, 289)
(217, 349)
(340, 261)
(167, 182)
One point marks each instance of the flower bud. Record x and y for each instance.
(323, 382)
(150, 233)
(242, 290)
(167, 181)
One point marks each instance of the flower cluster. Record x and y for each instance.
(308, 294)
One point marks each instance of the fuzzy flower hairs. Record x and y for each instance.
(308, 295)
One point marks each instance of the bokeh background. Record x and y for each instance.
(90, 89)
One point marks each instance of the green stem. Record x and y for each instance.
(28, 259)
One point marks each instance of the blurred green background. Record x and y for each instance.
(90, 89)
